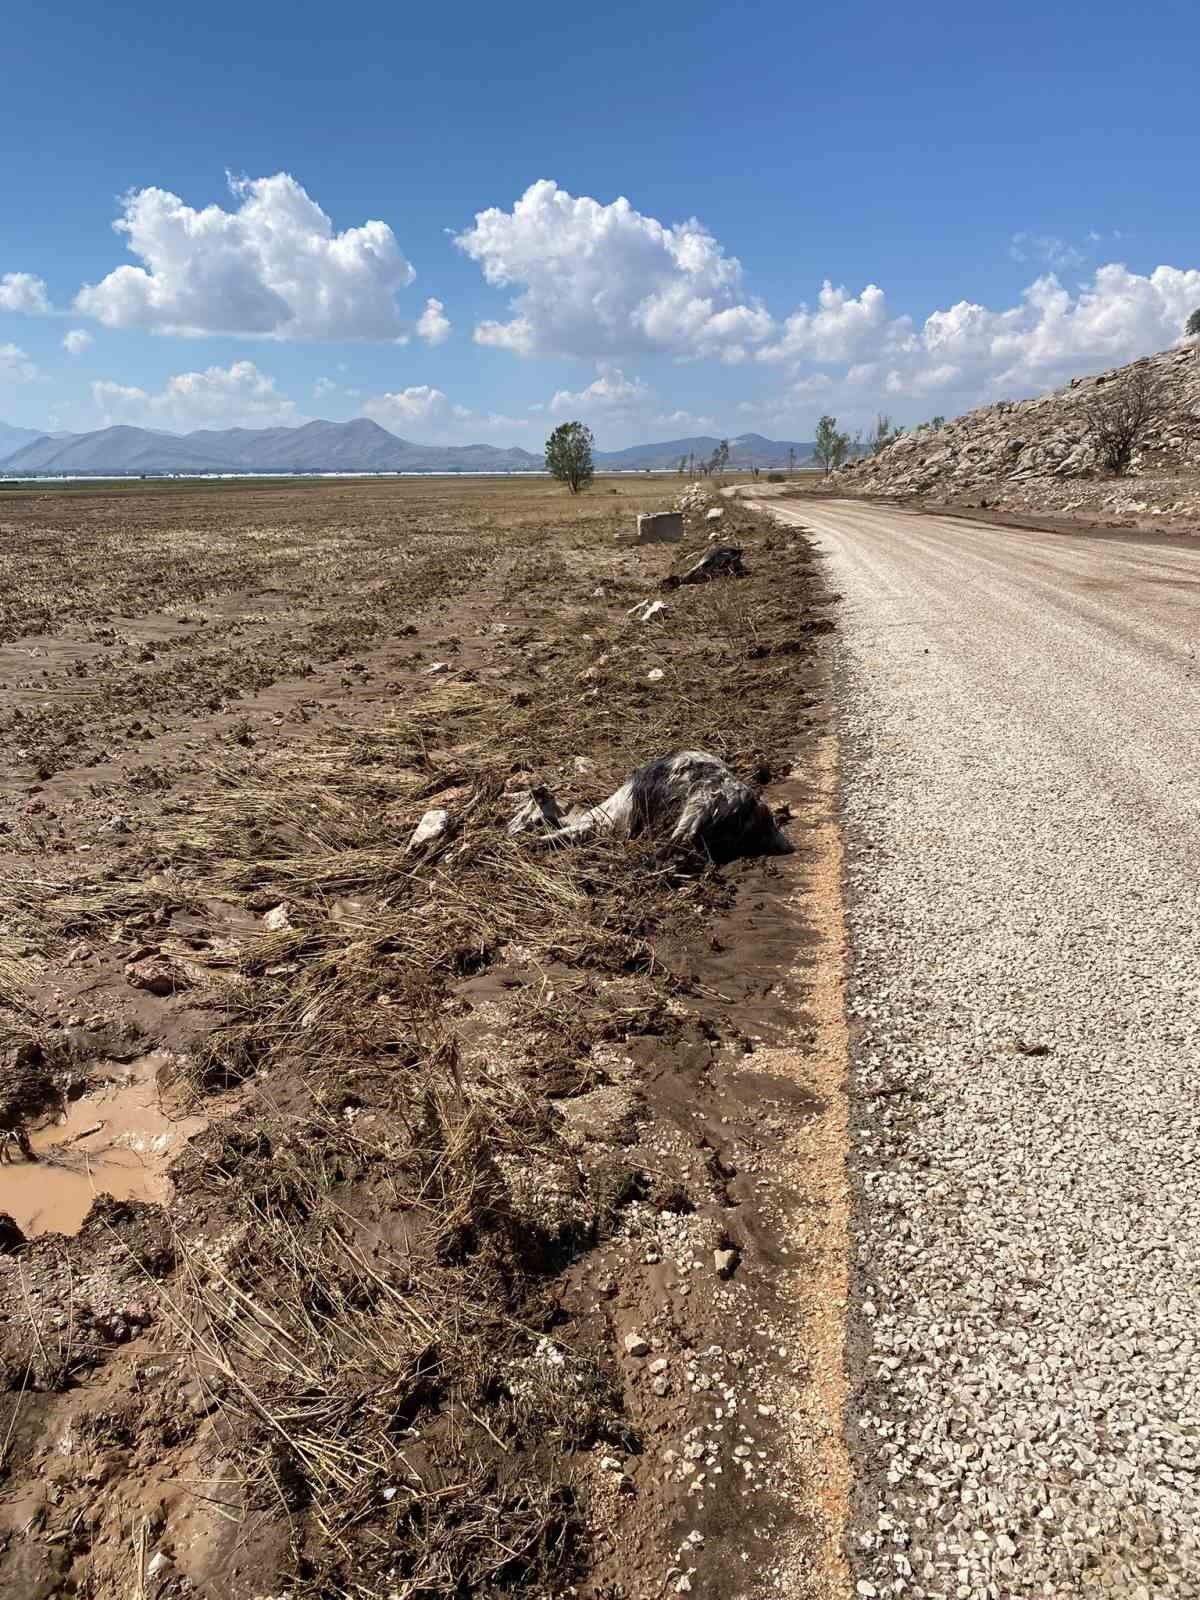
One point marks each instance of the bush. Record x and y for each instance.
(1119, 417)
(776, 477)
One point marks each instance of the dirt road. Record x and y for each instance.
(1021, 795)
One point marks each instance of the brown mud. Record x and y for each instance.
(467, 1223)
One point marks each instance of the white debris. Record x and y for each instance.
(647, 610)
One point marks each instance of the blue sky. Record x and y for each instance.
(913, 211)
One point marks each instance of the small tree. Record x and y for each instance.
(1119, 415)
(791, 459)
(1193, 324)
(569, 455)
(682, 465)
(830, 446)
(884, 433)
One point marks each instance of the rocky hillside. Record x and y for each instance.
(1036, 455)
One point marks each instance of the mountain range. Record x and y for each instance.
(357, 446)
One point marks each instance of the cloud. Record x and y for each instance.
(322, 387)
(77, 341)
(433, 325)
(598, 280)
(16, 365)
(612, 392)
(685, 419)
(840, 327)
(272, 268)
(431, 411)
(1047, 247)
(220, 397)
(21, 291)
(420, 403)
(969, 353)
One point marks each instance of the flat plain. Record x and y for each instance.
(406, 1220)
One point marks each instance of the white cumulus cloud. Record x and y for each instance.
(850, 351)
(430, 411)
(840, 327)
(418, 403)
(77, 341)
(597, 280)
(273, 267)
(220, 397)
(611, 392)
(16, 365)
(22, 291)
(433, 324)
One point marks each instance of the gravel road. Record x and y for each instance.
(1021, 772)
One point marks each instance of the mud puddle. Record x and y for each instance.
(119, 1140)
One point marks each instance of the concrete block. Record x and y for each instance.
(660, 527)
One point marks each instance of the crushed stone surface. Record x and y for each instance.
(1021, 754)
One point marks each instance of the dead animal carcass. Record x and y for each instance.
(722, 561)
(689, 801)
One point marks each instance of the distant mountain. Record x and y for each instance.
(15, 438)
(357, 446)
(747, 450)
(118, 449)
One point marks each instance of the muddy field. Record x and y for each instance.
(407, 1221)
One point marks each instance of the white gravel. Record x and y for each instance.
(1022, 808)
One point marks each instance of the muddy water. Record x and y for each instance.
(116, 1140)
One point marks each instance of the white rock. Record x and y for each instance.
(635, 1345)
(277, 919)
(431, 826)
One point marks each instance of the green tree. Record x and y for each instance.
(884, 433)
(719, 459)
(1193, 324)
(569, 455)
(830, 446)
(791, 458)
(682, 465)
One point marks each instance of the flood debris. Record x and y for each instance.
(723, 561)
(538, 809)
(648, 610)
(689, 800)
(11, 1237)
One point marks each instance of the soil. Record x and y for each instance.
(445, 1221)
